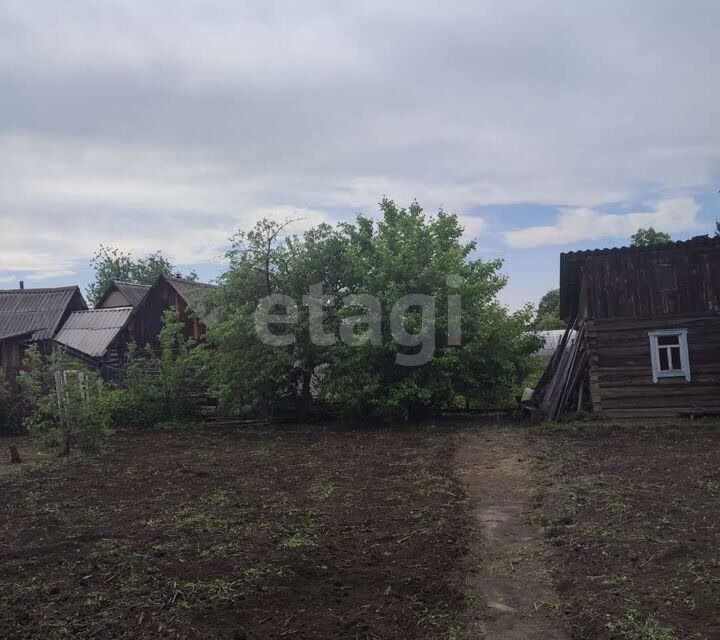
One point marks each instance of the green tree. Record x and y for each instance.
(110, 263)
(64, 400)
(365, 373)
(548, 315)
(646, 237)
(717, 228)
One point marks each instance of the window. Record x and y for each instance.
(669, 354)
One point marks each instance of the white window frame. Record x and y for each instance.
(684, 371)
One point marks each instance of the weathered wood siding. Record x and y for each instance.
(146, 323)
(621, 379)
(12, 351)
(681, 278)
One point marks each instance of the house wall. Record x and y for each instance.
(146, 323)
(667, 281)
(621, 379)
(12, 352)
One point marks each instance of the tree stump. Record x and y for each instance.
(14, 455)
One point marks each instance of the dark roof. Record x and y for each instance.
(133, 292)
(91, 332)
(36, 311)
(196, 295)
(571, 264)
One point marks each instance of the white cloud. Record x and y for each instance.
(573, 225)
(473, 225)
(167, 125)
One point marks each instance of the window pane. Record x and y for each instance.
(664, 364)
(675, 358)
(668, 340)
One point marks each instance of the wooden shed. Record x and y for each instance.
(32, 315)
(648, 332)
(191, 300)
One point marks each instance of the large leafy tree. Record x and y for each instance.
(350, 282)
(646, 237)
(110, 263)
(548, 315)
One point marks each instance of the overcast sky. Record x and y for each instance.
(167, 125)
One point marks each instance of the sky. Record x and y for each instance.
(545, 126)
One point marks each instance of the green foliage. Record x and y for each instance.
(110, 263)
(10, 416)
(404, 253)
(78, 412)
(157, 386)
(548, 315)
(647, 237)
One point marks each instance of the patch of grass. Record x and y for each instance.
(631, 628)
(298, 541)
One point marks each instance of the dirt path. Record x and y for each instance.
(508, 575)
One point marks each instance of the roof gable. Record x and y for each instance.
(196, 295)
(626, 262)
(132, 292)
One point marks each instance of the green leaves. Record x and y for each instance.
(403, 253)
(110, 263)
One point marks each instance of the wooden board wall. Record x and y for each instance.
(621, 379)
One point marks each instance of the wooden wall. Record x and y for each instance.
(652, 285)
(146, 323)
(11, 356)
(621, 378)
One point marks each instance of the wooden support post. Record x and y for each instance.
(14, 455)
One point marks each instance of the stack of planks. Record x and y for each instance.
(561, 388)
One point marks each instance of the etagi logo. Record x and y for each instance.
(370, 319)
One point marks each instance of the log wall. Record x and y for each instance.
(621, 380)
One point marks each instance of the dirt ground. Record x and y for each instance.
(257, 534)
(447, 532)
(633, 517)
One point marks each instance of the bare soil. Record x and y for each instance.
(633, 515)
(446, 533)
(512, 591)
(260, 534)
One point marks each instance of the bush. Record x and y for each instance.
(10, 416)
(64, 401)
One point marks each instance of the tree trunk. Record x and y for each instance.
(14, 455)
(66, 447)
(305, 397)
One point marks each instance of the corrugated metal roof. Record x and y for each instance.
(551, 340)
(195, 294)
(133, 292)
(36, 311)
(92, 332)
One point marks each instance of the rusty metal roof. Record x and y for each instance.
(133, 292)
(196, 295)
(36, 311)
(91, 332)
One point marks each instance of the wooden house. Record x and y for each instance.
(32, 316)
(188, 297)
(98, 337)
(647, 322)
(129, 312)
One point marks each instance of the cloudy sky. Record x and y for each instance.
(166, 125)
